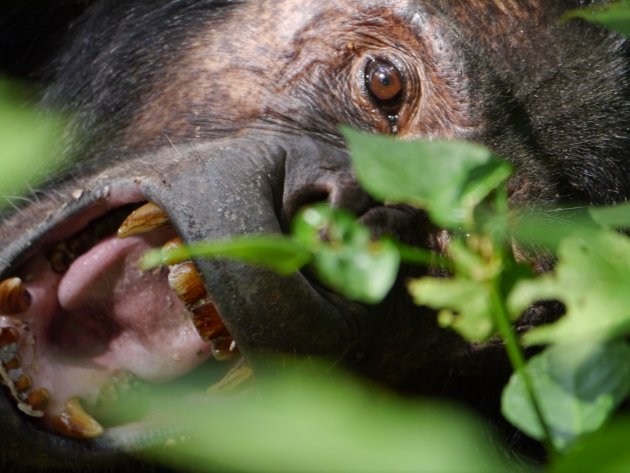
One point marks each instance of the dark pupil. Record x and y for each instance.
(383, 81)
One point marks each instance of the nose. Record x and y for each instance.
(315, 174)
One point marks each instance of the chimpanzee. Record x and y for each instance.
(205, 119)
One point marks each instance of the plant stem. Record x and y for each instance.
(411, 254)
(517, 359)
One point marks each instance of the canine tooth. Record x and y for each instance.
(38, 399)
(14, 298)
(143, 220)
(75, 422)
(239, 377)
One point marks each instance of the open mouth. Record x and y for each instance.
(81, 326)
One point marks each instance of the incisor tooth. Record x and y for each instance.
(14, 298)
(238, 378)
(143, 220)
(75, 422)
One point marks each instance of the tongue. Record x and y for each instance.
(121, 316)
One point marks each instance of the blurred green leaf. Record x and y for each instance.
(345, 256)
(614, 15)
(315, 423)
(281, 254)
(464, 305)
(613, 217)
(29, 138)
(577, 386)
(448, 179)
(465, 299)
(606, 451)
(592, 279)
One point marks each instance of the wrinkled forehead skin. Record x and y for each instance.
(226, 114)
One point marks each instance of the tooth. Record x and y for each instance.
(224, 348)
(187, 284)
(75, 422)
(207, 322)
(60, 259)
(23, 383)
(8, 335)
(238, 378)
(38, 399)
(118, 384)
(143, 220)
(13, 364)
(14, 298)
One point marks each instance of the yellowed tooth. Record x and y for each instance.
(23, 383)
(13, 364)
(239, 378)
(186, 282)
(14, 298)
(8, 335)
(143, 220)
(75, 422)
(224, 348)
(60, 258)
(38, 399)
(207, 322)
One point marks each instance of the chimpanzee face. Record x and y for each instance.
(206, 120)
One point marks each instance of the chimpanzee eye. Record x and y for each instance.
(384, 83)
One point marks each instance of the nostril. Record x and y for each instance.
(303, 198)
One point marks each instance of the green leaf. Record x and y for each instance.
(613, 217)
(614, 15)
(315, 423)
(281, 254)
(592, 279)
(448, 179)
(347, 259)
(578, 386)
(464, 305)
(606, 451)
(27, 136)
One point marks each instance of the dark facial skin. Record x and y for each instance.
(226, 115)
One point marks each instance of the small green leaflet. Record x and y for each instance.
(347, 259)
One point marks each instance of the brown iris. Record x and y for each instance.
(384, 82)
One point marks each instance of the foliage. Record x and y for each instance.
(27, 137)
(614, 15)
(311, 420)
